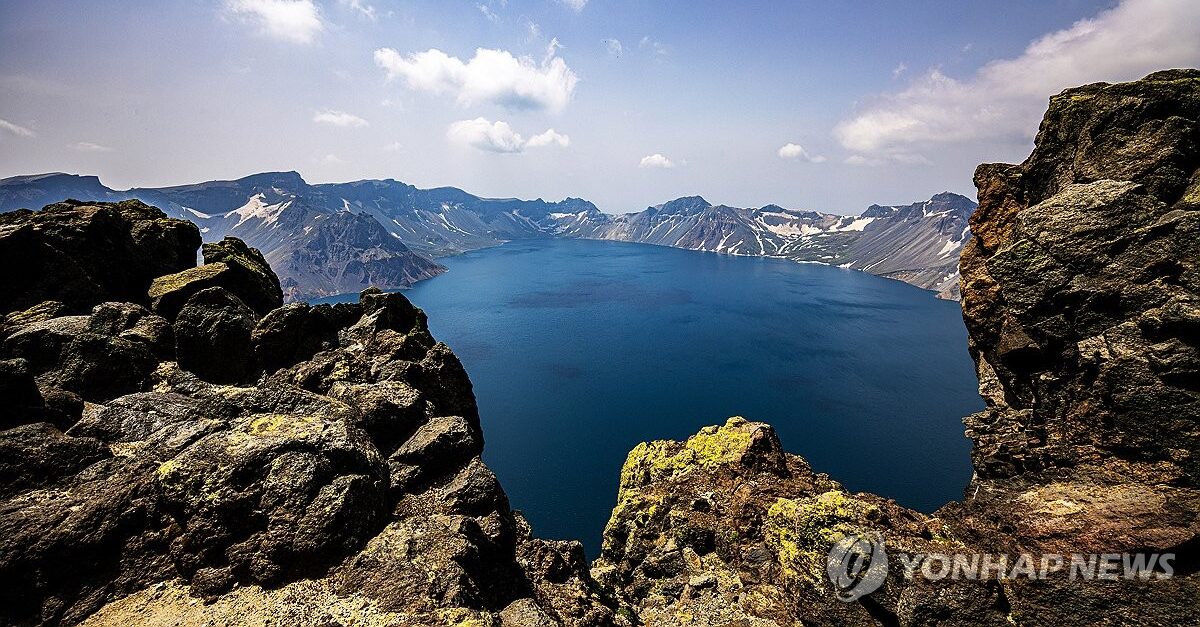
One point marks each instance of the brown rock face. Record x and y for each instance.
(1081, 294)
(1080, 289)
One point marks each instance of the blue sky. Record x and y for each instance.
(818, 105)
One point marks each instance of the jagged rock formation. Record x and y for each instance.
(78, 254)
(1081, 294)
(190, 438)
(727, 529)
(334, 238)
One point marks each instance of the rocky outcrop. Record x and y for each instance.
(320, 463)
(229, 264)
(1081, 294)
(80, 254)
(728, 529)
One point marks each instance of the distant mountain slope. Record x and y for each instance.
(346, 252)
(316, 250)
(917, 243)
(38, 190)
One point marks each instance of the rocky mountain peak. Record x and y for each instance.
(290, 180)
(684, 205)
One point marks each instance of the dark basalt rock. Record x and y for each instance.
(82, 254)
(98, 357)
(251, 277)
(229, 264)
(295, 332)
(212, 336)
(23, 402)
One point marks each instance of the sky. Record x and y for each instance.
(831, 106)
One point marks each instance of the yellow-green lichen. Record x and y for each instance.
(173, 282)
(650, 462)
(166, 468)
(464, 617)
(711, 447)
(800, 531)
(283, 425)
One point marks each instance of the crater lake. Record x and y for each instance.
(578, 350)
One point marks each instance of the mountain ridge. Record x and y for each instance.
(275, 211)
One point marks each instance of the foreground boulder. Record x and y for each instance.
(212, 336)
(228, 264)
(728, 529)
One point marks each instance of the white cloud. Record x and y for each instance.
(796, 151)
(533, 32)
(899, 69)
(367, 10)
(494, 76)
(614, 47)
(576, 5)
(340, 119)
(498, 136)
(894, 158)
(15, 129)
(331, 159)
(393, 147)
(488, 12)
(296, 21)
(548, 138)
(89, 147)
(656, 161)
(1005, 99)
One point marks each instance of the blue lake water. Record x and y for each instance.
(578, 350)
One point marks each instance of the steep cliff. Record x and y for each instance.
(345, 252)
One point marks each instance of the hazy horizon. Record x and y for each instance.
(623, 103)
